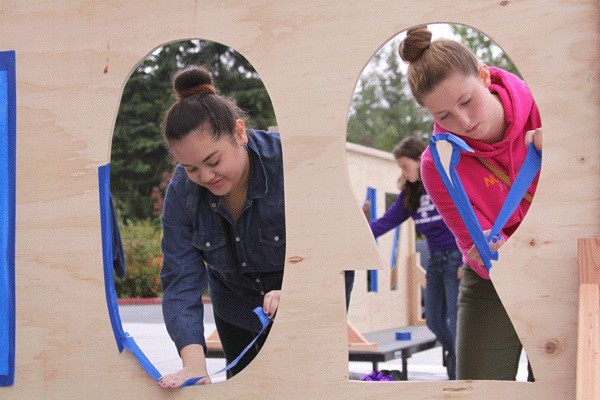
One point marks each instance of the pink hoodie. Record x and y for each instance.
(485, 191)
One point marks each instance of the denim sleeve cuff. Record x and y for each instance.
(181, 343)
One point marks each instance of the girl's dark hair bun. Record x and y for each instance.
(417, 40)
(194, 80)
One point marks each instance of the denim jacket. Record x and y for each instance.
(240, 262)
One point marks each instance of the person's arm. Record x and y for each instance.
(183, 278)
(393, 217)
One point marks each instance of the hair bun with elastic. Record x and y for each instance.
(195, 80)
(203, 89)
(416, 42)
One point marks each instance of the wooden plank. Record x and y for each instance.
(213, 342)
(416, 282)
(356, 341)
(588, 343)
(589, 260)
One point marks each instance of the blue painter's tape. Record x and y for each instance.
(373, 275)
(395, 247)
(8, 132)
(527, 173)
(403, 336)
(123, 339)
(455, 189)
(265, 323)
(107, 255)
(457, 192)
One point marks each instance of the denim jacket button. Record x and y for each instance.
(243, 264)
(237, 239)
(262, 293)
(276, 238)
(257, 280)
(207, 244)
(213, 205)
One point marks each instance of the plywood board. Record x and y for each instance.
(73, 59)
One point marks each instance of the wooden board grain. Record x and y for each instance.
(73, 59)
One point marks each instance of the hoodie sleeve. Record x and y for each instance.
(393, 217)
(445, 206)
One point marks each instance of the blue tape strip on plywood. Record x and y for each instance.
(123, 339)
(372, 198)
(8, 132)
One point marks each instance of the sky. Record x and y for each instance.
(438, 31)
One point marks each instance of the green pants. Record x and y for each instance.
(487, 346)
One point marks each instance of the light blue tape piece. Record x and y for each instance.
(123, 339)
(373, 273)
(395, 247)
(457, 192)
(527, 173)
(8, 133)
(265, 324)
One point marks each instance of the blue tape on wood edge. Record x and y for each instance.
(373, 273)
(8, 120)
(265, 324)
(123, 339)
(395, 247)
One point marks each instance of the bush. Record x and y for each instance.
(143, 259)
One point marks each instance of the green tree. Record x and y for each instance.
(139, 158)
(484, 48)
(383, 110)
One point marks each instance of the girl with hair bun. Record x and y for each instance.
(223, 225)
(494, 112)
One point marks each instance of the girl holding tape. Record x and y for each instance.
(492, 110)
(445, 263)
(223, 225)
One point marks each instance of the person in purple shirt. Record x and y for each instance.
(445, 264)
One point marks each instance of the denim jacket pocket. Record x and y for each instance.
(214, 248)
(273, 244)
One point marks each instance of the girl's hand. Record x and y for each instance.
(473, 254)
(271, 302)
(194, 366)
(534, 136)
(176, 379)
